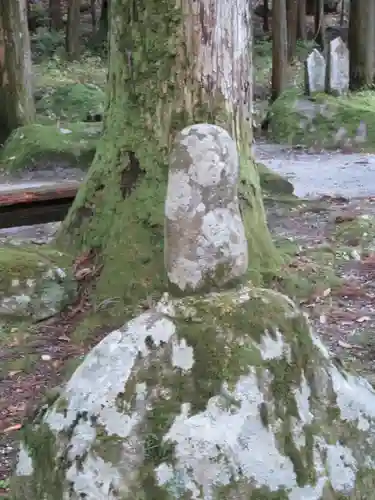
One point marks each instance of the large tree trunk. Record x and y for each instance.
(175, 67)
(361, 43)
(16, 93)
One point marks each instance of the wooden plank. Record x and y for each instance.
(22, 194)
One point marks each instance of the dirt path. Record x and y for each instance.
(321, 173)
(329, 245)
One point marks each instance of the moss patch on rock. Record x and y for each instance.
(196, 385)
(271, 182)
(324, 120)
(34, 283)
(72, 102)
(43, 146)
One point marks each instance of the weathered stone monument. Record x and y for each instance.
(315, 72)
(226, 395)
(205, 238)
(338, 67)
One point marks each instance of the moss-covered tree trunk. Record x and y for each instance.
(169, 67)
(16, 94)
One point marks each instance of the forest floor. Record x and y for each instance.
(329, 269)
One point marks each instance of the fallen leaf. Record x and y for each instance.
(12, 428)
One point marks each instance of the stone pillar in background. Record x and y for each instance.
(205, 243)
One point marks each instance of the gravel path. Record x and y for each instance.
(325, 173)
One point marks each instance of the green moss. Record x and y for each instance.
(44, 146)
(357, 232)
(72, 102)
(296, 120)
(271, 182)
(22, 263)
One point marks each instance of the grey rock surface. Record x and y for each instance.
(205, 243)
(228, 395)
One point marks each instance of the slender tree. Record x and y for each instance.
(301, 23)
(319, 24)
(361, 43)
(16, 94)
(73, 30)
(292, 21)
(55, 15)
(279, 48)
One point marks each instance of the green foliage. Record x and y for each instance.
(46, 43)
(56, 72)
(34, 145)
(296, 120)
(72, 102)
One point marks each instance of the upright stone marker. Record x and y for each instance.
(338, 67)
(205, 243)
(315, 72)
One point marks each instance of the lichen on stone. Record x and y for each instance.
(226, 395)
(34, 283)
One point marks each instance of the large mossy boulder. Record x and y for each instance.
(35, 283)
(44, 146)
(73, 102)
(324, 120)
(225, 396)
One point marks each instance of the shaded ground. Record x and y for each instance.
(329, 269)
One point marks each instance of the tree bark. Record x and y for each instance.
(16, 94)
(73, 30)
(301, 23)
(55, 15)
(361, 38)
(102, 33)
(319, 24)
(175, 67)
(292, 21)
(279, 48)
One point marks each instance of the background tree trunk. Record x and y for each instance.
(292, 21)
(55, 15)
(361, 43)
(73, 30)
(175, 67)
(319, 24)
(301, 23)
(16, 94)
(101, 34)
(279, 48)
